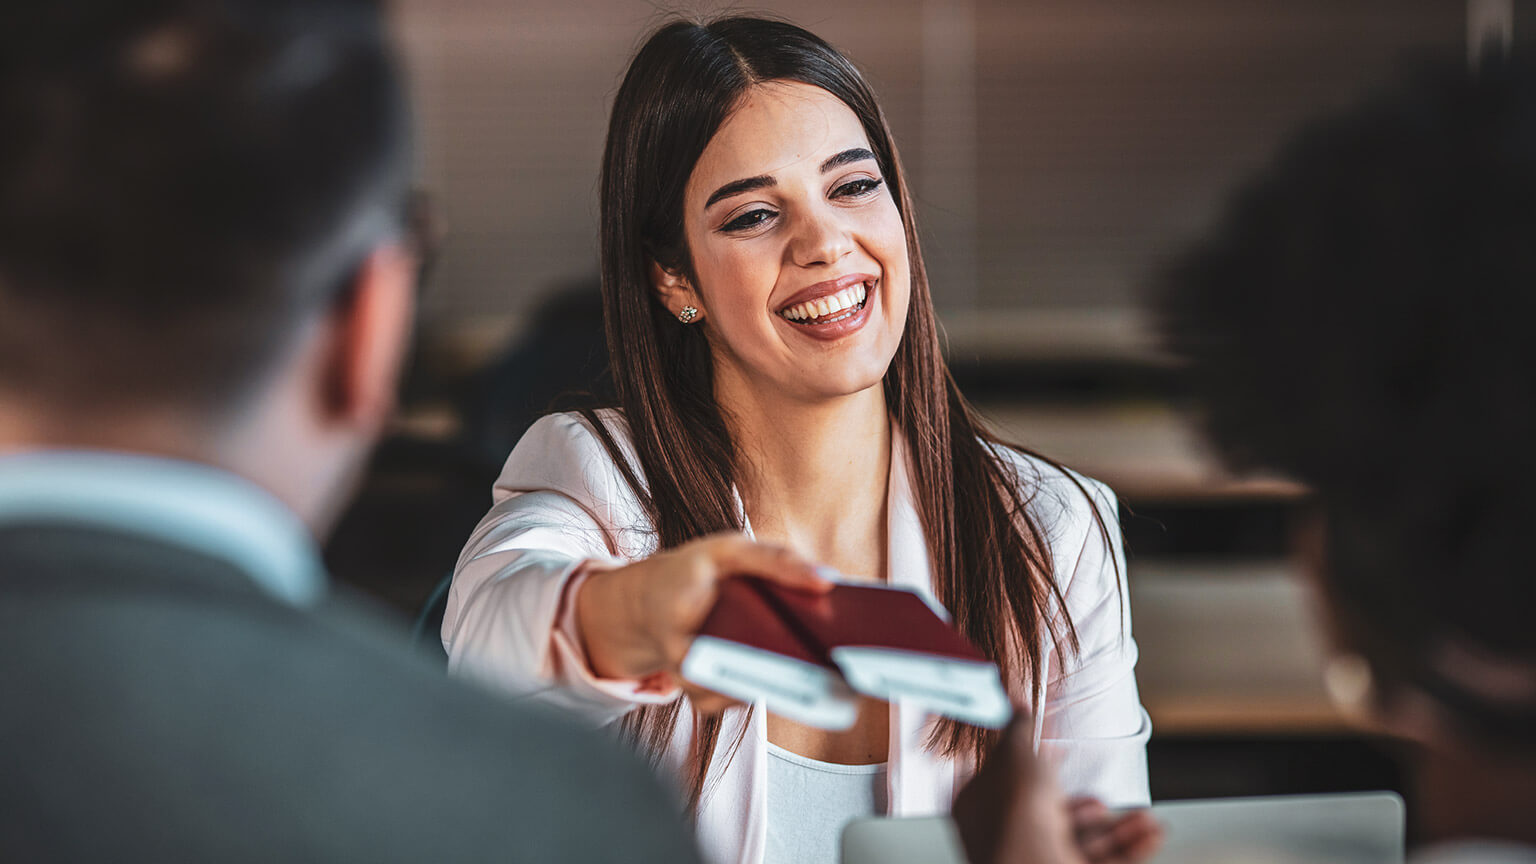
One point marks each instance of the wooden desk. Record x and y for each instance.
(1229, 649)
(1145, 451)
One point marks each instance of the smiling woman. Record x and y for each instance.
(783, 399)
(801, 268)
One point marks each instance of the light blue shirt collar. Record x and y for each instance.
(186, 504)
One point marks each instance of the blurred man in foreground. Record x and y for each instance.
(1362, 321)
(206, 288)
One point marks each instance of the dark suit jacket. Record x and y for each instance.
(155, 705)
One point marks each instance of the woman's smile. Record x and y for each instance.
(834, 308)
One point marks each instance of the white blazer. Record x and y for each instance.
(562, 502)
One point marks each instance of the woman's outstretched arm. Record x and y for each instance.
(560, 596)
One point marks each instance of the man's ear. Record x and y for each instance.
(370, 331)
(675, 291)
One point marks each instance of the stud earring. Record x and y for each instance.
(687, 314)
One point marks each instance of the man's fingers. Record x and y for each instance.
(1129, 838)
(1087, 812)
(1018, 738)
(1098, 846)
(742, 557)
(1141, 847)
(1018, 750)
(1138, 835)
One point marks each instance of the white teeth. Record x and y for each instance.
(823, 307)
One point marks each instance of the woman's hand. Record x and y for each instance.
(637, 621)
(1012, 813)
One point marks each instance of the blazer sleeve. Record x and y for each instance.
(1092, 725)
(561, 509)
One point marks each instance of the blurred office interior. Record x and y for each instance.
(1059, 151)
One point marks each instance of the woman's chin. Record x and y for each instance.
(803, 377)
(829, 385)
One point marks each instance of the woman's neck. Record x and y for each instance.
(814, 475)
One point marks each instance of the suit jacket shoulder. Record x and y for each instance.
(160, 709)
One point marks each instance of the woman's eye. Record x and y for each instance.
(749, 219)
(855, 188)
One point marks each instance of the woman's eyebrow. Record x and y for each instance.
(736, 187)
(847, 157)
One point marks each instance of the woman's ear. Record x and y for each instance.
(676, 293)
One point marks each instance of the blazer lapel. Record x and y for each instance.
(920, 784)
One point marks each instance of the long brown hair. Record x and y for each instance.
(992, 566)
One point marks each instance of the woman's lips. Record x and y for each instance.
(829, 308)
(829, 317)
(825, 289)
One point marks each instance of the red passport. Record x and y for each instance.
(806, 655)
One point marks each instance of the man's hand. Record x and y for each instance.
(1012, 813)
(1105, 837)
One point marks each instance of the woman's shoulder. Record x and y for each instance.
(1078, 518)
(568, 453)
(1068, 507)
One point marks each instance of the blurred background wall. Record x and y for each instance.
(1059, 151)
(1057, 148)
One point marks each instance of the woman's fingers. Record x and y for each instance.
(686, 584)
(707, 701)
(640, 619)
(658, 682)
(738, 556)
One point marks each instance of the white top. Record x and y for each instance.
(562, 502)
(810, 802)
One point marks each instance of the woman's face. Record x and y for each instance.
(799, 254)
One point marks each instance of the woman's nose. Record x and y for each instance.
(820, 238)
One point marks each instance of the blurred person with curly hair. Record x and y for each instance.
(1360, 320)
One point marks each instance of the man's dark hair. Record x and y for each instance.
(1361, 319)
(181, 182)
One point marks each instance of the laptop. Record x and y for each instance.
(1349, 828)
